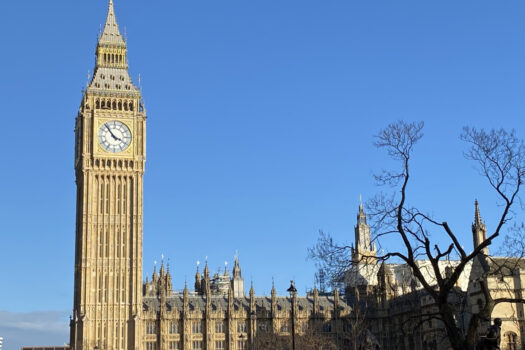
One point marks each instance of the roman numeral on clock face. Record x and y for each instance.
(114, 136)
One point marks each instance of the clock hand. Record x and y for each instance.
(112, 135)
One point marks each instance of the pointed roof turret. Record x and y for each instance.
(364, 250)
(185, 291)
(154, 277)
(361, 215)
(479, 230)
(478, 222)
(237, 268)
(111, 34)
(206, 270)
(162, 271)
(316, 300)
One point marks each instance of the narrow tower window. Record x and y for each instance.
(117, 294)
(100, 289)
(101, 198)
(100, 244)
(123, 249)
(106, 243)
(107, 198)
(106, 286)
(118, 247)
(125, 198)
(119, 194)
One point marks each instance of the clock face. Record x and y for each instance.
(114, 136)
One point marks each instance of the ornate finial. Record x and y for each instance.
(361, 208)
(140, 83)
(155, 262)
(206, 270)
(478, 221)
(198, 263)
(477, 214)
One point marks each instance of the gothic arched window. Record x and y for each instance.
(511, 339)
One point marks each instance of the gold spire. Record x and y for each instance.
(111, 34)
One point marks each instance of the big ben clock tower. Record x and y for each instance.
(110, 135)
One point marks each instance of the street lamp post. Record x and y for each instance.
(293, 291)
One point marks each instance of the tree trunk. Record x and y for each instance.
(456, 339)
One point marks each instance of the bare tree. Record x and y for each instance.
(270, 341)
(358, 325)
(306, 340)
(311, 340)
(500, 158)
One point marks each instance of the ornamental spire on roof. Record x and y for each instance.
(477, 216)
(479, 230)
(111, 33)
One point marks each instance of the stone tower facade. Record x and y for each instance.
(365, 251)
(237, 281)
(110, 135)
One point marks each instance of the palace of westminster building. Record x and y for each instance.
(115, 310)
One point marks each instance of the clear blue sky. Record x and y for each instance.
(260, 129)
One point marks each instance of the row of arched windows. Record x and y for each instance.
(111, 58)
(114, 164)
(117, 105)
